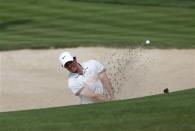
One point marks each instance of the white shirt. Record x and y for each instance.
(91, 70)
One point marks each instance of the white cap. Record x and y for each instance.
(65, 57)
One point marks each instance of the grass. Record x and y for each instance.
(165, 3)
(170, 112)
(62, 23)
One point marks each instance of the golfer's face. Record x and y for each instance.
(71, 66)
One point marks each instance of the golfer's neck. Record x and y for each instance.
(80, 70)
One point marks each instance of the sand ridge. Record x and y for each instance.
(32, 79)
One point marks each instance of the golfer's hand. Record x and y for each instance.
(111, 98)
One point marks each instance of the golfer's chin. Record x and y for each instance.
(73, 71)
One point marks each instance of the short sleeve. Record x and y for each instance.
(99, 67)
(75, 86)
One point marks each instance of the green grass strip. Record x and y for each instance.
(61, 23)
(170, 112)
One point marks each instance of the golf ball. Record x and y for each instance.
(147, 41)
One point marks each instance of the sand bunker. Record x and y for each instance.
(32, 79)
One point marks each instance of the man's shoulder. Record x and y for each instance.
(72, 76)
(73, 79)
(90, 62)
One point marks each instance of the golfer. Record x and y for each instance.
(88, 80)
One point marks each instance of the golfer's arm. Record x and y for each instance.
(86, 92)
(106, 83)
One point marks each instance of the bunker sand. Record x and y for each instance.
(31, 79)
